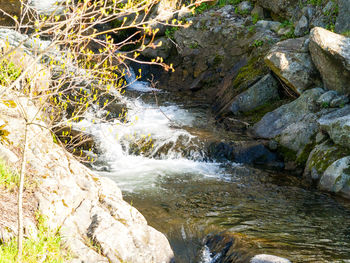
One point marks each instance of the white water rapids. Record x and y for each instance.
(160, 128)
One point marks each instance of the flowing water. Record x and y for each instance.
(159, 160)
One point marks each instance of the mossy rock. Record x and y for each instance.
(256, 115)
(250, 73)
(323, 155)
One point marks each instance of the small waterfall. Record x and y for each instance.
(151, 143)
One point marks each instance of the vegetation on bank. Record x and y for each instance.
(46, 247)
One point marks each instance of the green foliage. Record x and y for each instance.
(221, 3)
(325, 105)
(170, 31)
(8, 72)
(8, 178)
(251, 29)
(346, 33)
(46, 248)
(290, 32)
(201, 8)
(258, 43)
(194, 45)
(314, 2)
(255, 18)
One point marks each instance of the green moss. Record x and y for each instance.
(302, 158)
(322, 159)
(253, 69)
(170, 31)
(217, 60)
(288, 154)
(256, 115)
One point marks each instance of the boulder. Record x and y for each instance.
(336, 178)
(302, 27)
(245, 7)
(264, 258)
(291, 61)
(321, 157)
(86, 208)
(330, 54)
(299, 138)
(280, 8)
(264, 91)
(270, 25)
(343, 20)
(275, 122)
(332, 99)
(337, 125)
(293, 126)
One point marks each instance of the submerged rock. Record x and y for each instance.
(244, 153)
(330, 53)
(291, 61)
(264, 258)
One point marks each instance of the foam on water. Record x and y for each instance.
(162, 125)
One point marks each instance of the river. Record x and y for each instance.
(159, 160)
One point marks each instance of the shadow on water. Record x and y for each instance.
(262, 212)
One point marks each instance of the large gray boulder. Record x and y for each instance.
(330, 53)
(291, 62)
(86, 208)
(275, 122)
(343, 19)
(294, 126)
(337, 125)
(264, 91)
(336, 178)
